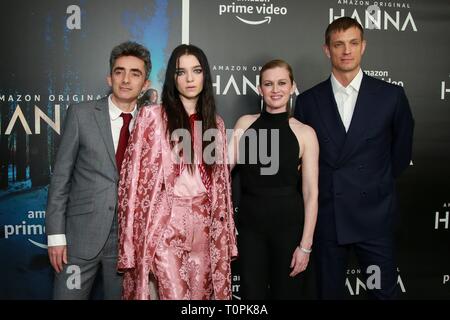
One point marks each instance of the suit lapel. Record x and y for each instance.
(364, 110)
(104, 124)
(330, 114)
(170, 167)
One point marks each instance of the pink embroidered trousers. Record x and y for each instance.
(182, 262)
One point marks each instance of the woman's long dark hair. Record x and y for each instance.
(177, 117)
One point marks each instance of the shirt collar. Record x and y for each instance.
(355, 84)
(115, 111)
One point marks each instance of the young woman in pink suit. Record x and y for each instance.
(175, 210)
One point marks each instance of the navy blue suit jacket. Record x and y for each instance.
(357, 169)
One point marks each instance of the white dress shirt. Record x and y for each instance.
(117, 121)
(116, 126)
(346, 97)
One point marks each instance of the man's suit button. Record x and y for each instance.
(363, 194)
(111, 208)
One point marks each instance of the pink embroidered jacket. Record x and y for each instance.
(145, 201)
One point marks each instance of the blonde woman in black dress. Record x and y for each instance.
(278, 203)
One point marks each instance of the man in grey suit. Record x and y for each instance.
(81, 217)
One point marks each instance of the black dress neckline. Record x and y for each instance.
(275, 117)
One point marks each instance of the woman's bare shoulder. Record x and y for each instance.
(246, 121)
(301, 128)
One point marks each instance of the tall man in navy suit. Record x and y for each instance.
(365, 129)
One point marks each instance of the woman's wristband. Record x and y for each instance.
(305, 250)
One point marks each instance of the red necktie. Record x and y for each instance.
(123, 139)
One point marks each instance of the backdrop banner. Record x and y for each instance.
(56, 53)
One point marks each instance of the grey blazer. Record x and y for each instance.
(82, 197)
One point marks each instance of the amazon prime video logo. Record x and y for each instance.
(252, 12)
(32, 228)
